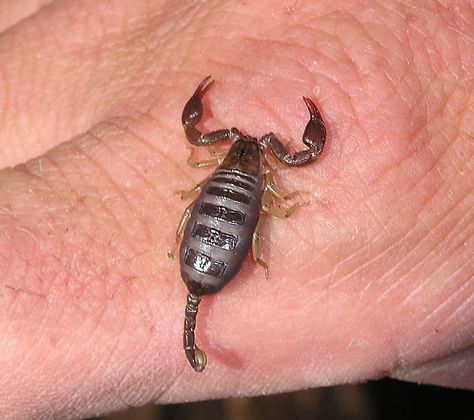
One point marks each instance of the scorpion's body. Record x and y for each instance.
(220, 227)
(219, 233)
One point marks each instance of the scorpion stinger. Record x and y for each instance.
(196, 357)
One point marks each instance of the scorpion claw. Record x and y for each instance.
(313, 110)
(192, 114)
(314, 137)
(315, 133)
(203, 86)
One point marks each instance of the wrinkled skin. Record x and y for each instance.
(373, 278)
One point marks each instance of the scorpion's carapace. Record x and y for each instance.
(222, 224)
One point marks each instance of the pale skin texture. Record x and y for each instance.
(374, 277)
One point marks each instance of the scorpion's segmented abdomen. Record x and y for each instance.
(218, 235)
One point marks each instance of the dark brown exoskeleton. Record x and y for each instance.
(220, 226)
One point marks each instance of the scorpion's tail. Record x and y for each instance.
(196, 357)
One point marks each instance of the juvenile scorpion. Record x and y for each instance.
(223, 222)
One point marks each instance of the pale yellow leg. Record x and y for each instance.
(276, 211)
(276, 191)
(281, 212)
(270, 192)
(180, 230)
(272, 162)
(193, 192)
(256, 248)
(203, 163)
(217, 152)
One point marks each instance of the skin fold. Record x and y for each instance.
(372, 278)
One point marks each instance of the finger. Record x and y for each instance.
(70, 66)
(454, 370)
(13, 11)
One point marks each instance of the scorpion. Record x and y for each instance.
(223, 222)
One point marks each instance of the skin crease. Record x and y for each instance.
(374, 277)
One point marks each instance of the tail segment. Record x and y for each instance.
(196, 357)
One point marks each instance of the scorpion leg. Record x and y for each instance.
(314, 137)
(192, 113)
(217, 152)
(202, 163)
(276, 191)
(282, 213)
(256, 248)
(180, 229)
(269, 207)
(272, 162)
(193, 192)
(277, 211)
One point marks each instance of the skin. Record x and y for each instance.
(374, 277)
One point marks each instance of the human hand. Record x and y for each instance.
(373, 278)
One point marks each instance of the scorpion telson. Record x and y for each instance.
(222, 223)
